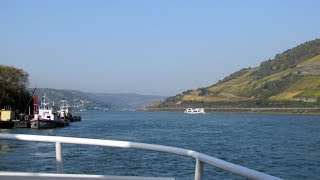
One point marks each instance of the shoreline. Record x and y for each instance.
(297, 110)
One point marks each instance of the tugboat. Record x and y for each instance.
(44, 117)
(65, 111)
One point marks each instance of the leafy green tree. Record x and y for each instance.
(13, 88)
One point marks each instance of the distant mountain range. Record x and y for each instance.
(99, 101)
(290, 79)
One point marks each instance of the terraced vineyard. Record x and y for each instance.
(291, 78)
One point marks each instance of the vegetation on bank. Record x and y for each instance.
(274, 110)
(13, 88)
(291, 79)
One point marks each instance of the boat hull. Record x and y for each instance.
(21, 124)
(44, 124)
(64, 123)
(194, 112)
(6, 124)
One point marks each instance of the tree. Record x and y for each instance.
(13, 88)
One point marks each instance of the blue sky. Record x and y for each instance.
(158, 47)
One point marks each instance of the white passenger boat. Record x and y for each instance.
(194, 111)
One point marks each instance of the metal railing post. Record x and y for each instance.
(59, 157)
(198, 170)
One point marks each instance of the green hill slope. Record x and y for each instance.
(290, 79)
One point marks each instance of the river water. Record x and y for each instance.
(287, 146)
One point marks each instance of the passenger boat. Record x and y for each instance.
(194, 111)
(44, 117)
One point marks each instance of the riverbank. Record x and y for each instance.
(242, 110)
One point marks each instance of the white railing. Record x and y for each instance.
(199, 157)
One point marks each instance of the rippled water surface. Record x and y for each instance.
(287, 146)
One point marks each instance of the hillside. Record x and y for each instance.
(290, 79)
(126, 100)
(77, 99)
(99, 101)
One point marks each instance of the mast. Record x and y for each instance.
(33, 94)
(35, 104)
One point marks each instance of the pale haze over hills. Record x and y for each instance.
(100, 101)
(147, 47)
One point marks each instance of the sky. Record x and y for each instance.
(158, 47)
